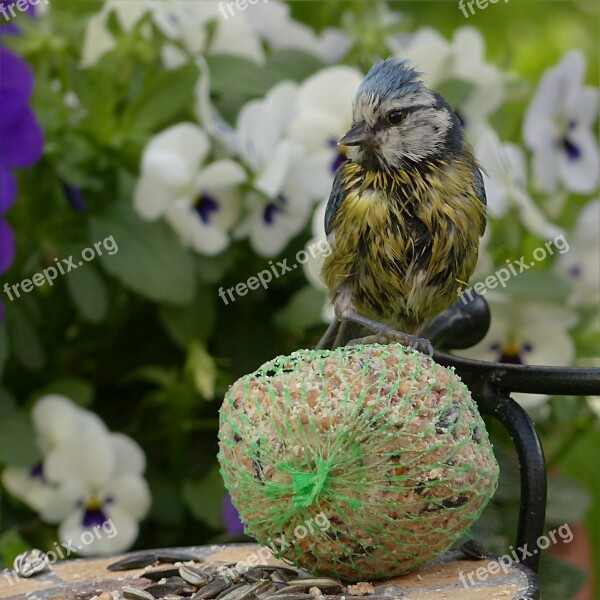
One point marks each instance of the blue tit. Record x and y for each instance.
(406, 209)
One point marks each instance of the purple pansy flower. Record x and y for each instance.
(231, 517)
(9, 12)
(21, 141)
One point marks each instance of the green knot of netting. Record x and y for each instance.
(376, 454)
(307, 486)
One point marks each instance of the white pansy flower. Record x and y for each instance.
(505, 180)
(580, 265)
(281, 201)
(89, 480)
(272, 20)
(558, 128)
(98, 40)
(314, 264)
(185, 22)
(100, 483)
(322, 119)
(56, 420)
(530, 333)
(462, 59)
(200, 201)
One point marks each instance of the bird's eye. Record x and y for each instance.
(396, 117)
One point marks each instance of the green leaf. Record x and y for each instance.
(540, 285)
(150, 259)
(24, 339)
(568, 502)
(205, 499)
(304, 310)
(153, 374)
(77, 389)
(201, 368)
(4, 347)
(234, 75)
(89, 293)
(167, 506)
(11, 545)
(294, 64)
(455, 91)
(17, 447)
(195, 321)
(166, 96)
(560, 580)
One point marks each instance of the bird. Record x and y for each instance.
(406, 211)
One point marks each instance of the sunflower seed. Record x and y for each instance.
(288, 596)
(474, 549)
(194, 576)
(287, 591)
(212, 589)
(244, 591)
(31, 562)
(325, 584)
(158, 590)
(158, 574)
(173, 556)
(135, 561)
(132, 593)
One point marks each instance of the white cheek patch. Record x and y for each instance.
(422, 134)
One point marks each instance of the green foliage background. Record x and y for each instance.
(142, 338)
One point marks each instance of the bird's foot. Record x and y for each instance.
(383, 334)
(392, 336)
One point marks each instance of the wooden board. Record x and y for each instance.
(439, 580)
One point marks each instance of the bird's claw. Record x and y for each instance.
(391, 336)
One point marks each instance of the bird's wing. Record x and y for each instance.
(335, 199)
(480, 194)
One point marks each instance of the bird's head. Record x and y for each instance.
(398, 120)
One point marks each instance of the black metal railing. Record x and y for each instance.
(463, 326)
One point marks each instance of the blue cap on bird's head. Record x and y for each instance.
(398, 119)
(389, 79)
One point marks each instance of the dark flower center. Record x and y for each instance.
(37, 472)
(340, 156)
(273, 208)
(511, 353)
(573, 151)
(94, 513)
(205, 206)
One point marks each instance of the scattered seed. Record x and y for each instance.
(173, 556)
(30, 563)
(136, 594)
(474, 549)
(158, 590)
(212, 589)
(194, 576)
(158, 574)
(291, 595)
(135, 561)
(323, 583)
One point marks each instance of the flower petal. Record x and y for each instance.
(581, 174)
(204, 238)
(113, 537)
(88, 459)
(221, 174)
(8, 190)
(175, 154)
(130, 458)
(7, 246)
(130, 493)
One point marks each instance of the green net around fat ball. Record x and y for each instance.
(362, 462)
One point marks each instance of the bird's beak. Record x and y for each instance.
(360, 134)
